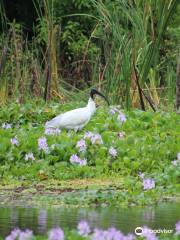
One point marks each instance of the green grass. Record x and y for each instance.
(150, 145)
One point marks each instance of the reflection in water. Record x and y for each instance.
(149, 215)
(42, 221)
(14, 216)
(125, 219)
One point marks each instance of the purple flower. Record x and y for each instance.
(42, 143)
(56, 234)
(114, 110)
(9, 237)
(13, 235)
(98, 235)
(96, 139)
(6, 125)
(81, 144)
(178, 156)
(29, 156)
(82, 162)
(113, 234)
(14, 141)
(122, 117)
(110, 234)
(113, 152)
(141, 175)
(74, 159)
(26, 235)
(77, 160)
(21, 235)
(121, 134)
(148, 233)
(129, 237)
(88, 135)
(52, 131)
(178, 228)
(83, 228)
(175, 162)
(148, 183)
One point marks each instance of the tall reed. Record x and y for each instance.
(47, 24)
(128, 36)
(133, 32)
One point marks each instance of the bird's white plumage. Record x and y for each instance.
(75, 119)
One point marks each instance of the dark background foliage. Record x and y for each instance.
(94, 43)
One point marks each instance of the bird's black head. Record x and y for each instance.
(95, 92)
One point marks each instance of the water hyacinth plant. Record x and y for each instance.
(148, 183)
(113, 110)
(29, 156)
(94, 137)
(56, 234)
(84, 228)
(87, 233)
(42, 144)
(14, 141)
(175, 162)
(121, 135)
(141, 175)
(20, 235)
(81, 145)
(6, 126)
(121, 117)
(14, 234)
(104, 148)
(148, 234)
(74, 159)
(112, 152)
(177, 227)
(88, 135)
(111, 233)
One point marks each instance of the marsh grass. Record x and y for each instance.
(135, 37)
(129, 36)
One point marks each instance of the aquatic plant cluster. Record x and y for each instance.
(139, 149)
(81, 145)
(84, 231)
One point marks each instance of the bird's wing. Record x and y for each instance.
(70, 119)
(54, 122)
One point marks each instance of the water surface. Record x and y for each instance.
(40, 220)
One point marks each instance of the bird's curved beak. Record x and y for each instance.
(95, 92)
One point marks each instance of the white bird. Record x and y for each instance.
(76, 119)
